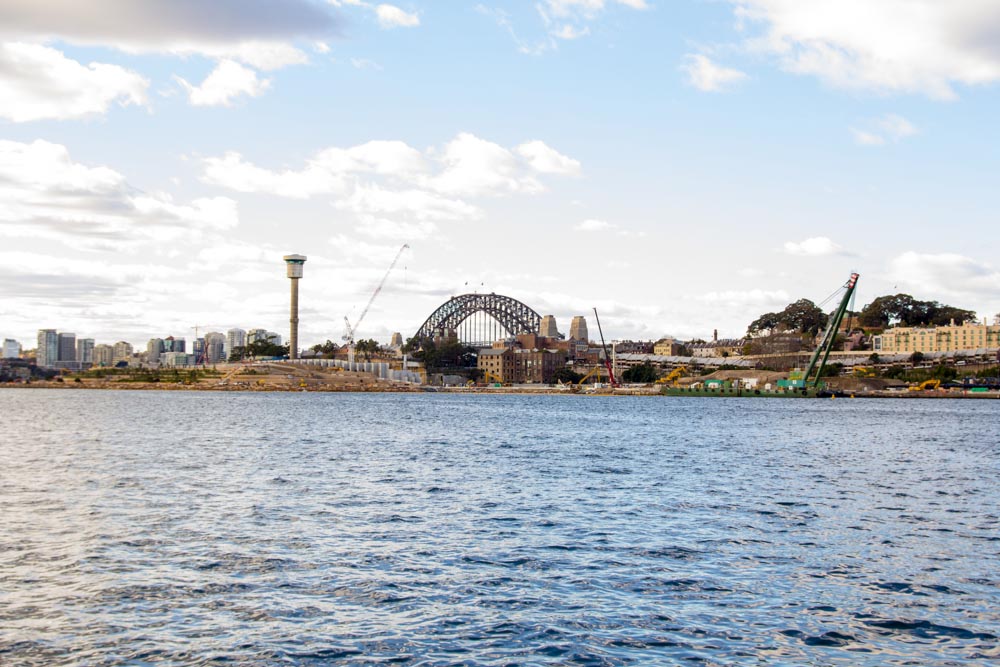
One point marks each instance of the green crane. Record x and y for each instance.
(830, 334)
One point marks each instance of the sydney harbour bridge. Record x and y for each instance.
(480, 319)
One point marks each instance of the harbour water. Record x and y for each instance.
(176, 528)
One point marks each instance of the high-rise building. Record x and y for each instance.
(154, 348)
(548, 327)
(123, 351)
(11, 349)
(171, 344)
(578, 329)
(85, 350)
(47, 353)
(198, 350)
(215, 347)
(104, 356)
(67, 347)
(235, 338)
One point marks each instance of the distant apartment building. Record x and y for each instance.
(47, 353)
(177, 359)
(235, 338)
(67, 347)
(262, 335)
(215, 347)
(634, 347)
(85, 351)
(969, 336)
(667, 347)
(198, 350)
(725, 347)
(11, 349)
(122, 352)
(516, 366)
(497, 364)
(578, 329)
(104, 356)
(154, 348)
(171, 344)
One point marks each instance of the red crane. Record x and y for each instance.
(607, 359)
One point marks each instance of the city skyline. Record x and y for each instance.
(684, 167)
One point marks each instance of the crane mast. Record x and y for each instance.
(350, 330)
(832, 327)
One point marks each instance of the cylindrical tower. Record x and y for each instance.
(294, 264)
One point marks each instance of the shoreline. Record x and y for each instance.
(376, 387)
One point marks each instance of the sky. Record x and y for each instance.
(682, 165)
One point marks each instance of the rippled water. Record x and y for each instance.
(310, 529)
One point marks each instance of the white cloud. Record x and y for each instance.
(474, 166)
(890, 127)
(593, 225)
(946, 276)
(547, 160)
(265, 56)
(226, 82)
(233, 172)
(327, 173)
(893, 46)
(390, 16)
(389, 186)
(706, 76)
(48, 195)
(813, 247)
(38, 82)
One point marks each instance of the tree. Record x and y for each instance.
(802, 316)
(367, 348)
(832, 370)
(904, 310)
(327, 350)
(265, 348)
(916, 357)
(448, 354)
(644, 373)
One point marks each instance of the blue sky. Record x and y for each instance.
(684, 166)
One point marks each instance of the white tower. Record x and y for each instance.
(294, 264)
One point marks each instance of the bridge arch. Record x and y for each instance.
(509, 317)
